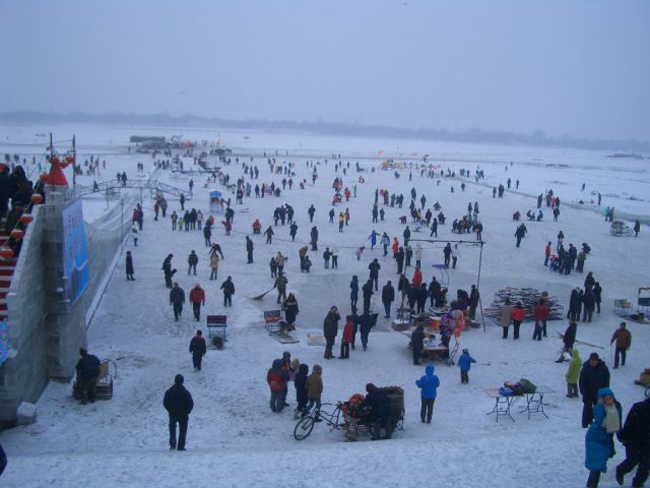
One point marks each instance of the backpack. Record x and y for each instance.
(529, 386)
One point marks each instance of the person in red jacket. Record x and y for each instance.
(277, 380)
(518, 315)
(541, 315)
(346, 340)
(197, 298)
(395, 247)
(547, 253)
(417, 278)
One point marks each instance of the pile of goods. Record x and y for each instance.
(529, 297)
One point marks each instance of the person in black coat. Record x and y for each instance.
(422, 295)
(597, 290)
(589, 302)
(198, 350)
(399, 257)
(520, 233)
(192, 261)
(228, 288)
(249, 249)
(367, 294)
(569, 340)
(473, 302)
(635, 436)
(387, 297)
(354, 292)
(300, 383)
(167, 270)
(447, 253)
(593, 376)
(380, 413)
(177, 299)
(129, 266)
(374, 268)
(366, 323)
(3, 460)
(179, 404)
(434, 290)
(87, 373)
(314, 239)
(417, 343)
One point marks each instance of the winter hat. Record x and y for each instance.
(286, 354)
(179, 379)
(604, 392)
(465, 351)
(593, 355)
(199, 333)
(370, 387)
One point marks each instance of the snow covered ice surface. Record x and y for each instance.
(233, 438)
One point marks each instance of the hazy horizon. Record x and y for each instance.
(566, 68)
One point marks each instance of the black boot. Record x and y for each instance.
(594, 478)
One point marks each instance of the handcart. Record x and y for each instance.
(350, 417)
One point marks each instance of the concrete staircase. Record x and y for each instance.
(7, 267)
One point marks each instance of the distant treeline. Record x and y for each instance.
(537, 138)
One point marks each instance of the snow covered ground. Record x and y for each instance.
(233, 438)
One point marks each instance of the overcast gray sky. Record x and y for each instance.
(566, 67)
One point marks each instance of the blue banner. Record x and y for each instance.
(75, 255)
(4, 340)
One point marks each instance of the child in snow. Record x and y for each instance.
(274, 268)
(314, 389)
(295, 367)
(134, 229)
(360, 252)
(572, 374)
(465, 363)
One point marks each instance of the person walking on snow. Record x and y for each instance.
(599, 441)
(177, 299)
(635, 436)
(228, 288)
(594, 375)
(192, 261)
(179, 404)
(197, 350)
(623, 340)
(428, 384)
(129, 267)
(465, 363)
(197, 298)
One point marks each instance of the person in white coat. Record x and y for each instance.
(335, 257)
(455, 253)
(418, 256)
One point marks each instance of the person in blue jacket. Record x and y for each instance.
(465, 363)
(429, 384)
(599, 441)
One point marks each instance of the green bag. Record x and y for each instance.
(528, 385)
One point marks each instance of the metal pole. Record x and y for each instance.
(74, 166)
(122, 223)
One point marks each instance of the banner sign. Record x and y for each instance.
(75, 255)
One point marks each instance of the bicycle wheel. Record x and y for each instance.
(303, 428)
